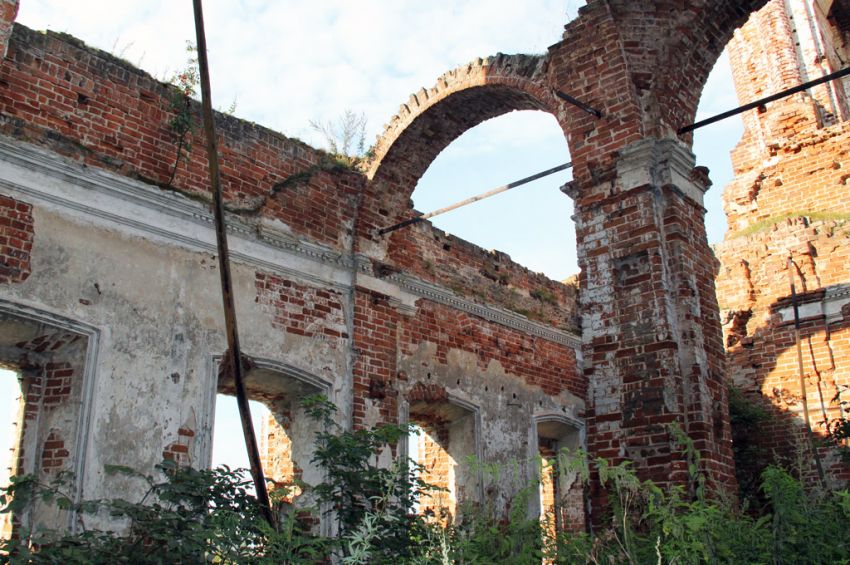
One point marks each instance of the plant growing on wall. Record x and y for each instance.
(344, 137)
(182, 122)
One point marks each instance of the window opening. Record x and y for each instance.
(561, 491)
(285, 435)
(530, 223)
(11, 416)
(443, 447)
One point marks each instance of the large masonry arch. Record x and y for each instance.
(431, 119)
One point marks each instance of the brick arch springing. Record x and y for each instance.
(670, 51)
(693, 59)
(460, 100)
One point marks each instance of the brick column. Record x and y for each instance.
(651, 330)
(8, 12)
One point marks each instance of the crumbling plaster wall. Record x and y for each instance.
(789, 200)
(106, 242)
(651, 333)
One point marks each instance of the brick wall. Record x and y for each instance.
(650, 328)
(16, 234)
(180, 450)
(656, 357)
(99, 110)
(300, 309)
(789, 200)
(276, 453)
(438, 504)
(490, 277)
(549, 365)
(53, 454)
(48, 384)
(754, 290)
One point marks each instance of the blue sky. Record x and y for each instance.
(288, 62)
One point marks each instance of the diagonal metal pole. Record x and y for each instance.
(472, 199)
(762, 101)
(233, 358)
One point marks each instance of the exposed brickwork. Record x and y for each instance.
(427, 394)
(549, 365)
(559, 511)
(302, 310)
(276, 453)
(54, 454)
(16, 233)
(643, 65)
(656, 357)
(91, 106)
(376, 348)
(57, 383)
(489, 277)
(47, 384)
(789, 200)
(180, 450)
(755, 301)
(548, 480)
(439, 504)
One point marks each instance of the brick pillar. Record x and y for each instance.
(652, 339)
(8, 12)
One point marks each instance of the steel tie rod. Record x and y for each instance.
(472, 199)
(761, 102)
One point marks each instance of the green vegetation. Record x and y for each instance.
(767, 223)
(190, 516)
(544, 295)
(345, 137)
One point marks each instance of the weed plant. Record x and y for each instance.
(189, 516)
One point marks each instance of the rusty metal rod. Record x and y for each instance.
(809, 434)
(578, 103)
(233, 356)
(763, 101)
(472, 199)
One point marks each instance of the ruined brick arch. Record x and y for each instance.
(671, 60)
(460, 100)
(658, 57)
(694, 60)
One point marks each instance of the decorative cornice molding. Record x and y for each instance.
(188, 223)
(169, 205)
(829, 305)
(500, 316)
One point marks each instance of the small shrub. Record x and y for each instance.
(190, 516)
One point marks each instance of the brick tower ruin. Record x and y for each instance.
(789, 209)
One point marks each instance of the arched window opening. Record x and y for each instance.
(561, 491)
(285, 434)
(42, 374)
(531, 223)
(443, 445)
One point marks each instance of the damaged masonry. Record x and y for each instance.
(110, 309)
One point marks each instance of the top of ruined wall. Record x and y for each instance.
(792, 158)
(99, 110)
